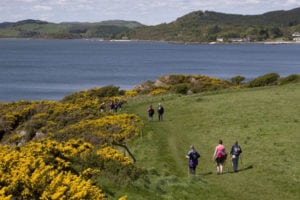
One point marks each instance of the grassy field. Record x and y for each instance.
(265, 121)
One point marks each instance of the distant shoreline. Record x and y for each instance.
(171, 42)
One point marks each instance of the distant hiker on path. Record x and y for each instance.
(235, 152)
(220, 156)
(160, 111)
(150, 113)
(193, 157)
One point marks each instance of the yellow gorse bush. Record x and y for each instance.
(158, 91)
(123, 197)
(109, 153)
(113, 128)
(48, 169)
(27, 172)
(131, 93)
(67, 186)
(89, 172)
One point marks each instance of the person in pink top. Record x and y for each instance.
(220, 156)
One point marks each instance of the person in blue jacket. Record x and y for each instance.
(235, 152)
(193, 157)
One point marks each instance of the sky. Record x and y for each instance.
(148, 12)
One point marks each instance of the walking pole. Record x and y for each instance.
(188, 166)
(227, 166)
(242, 163)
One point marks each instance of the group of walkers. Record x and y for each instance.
(219, 157)
(112, 106)
(160, 112)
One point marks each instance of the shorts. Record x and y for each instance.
(220, 160)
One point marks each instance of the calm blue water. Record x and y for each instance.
(51, 69)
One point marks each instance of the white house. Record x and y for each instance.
(220, 40)
(296, 36)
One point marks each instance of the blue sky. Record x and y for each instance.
(147, 12)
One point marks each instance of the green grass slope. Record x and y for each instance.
(265, 121)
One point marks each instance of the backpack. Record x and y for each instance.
(236, 150)
(194, 155)
(151, 111)
(221, 154)
(160, 110)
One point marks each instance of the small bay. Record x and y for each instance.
(51, 69)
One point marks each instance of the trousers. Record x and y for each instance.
(235, 163)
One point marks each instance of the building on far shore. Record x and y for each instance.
(296, 36)
(220, 40)
(245, 39)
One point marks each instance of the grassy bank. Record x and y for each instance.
(265, 121)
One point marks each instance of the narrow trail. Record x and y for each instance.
(168, 145)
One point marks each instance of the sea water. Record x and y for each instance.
(50, 69)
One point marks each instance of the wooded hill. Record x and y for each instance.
(207, 26)
(198, 26)
(69, 30)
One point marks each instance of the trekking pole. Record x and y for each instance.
(242, 163)
(188, 167)
(227, 171)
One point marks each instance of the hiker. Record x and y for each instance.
(235, 152)
(112, 106)
(102, 107)
(118, 105)
(193, 157)
(220, 156)
(150, 113)
(160, 111)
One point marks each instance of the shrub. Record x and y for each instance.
(41, 171)
(131, 93)
(107, 91)
(237, 80)
(173, 79)
(145, 87)
(293, 78)
(157, 91)
(180, 88)
(264, 80)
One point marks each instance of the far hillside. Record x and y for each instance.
(68, 30)
(207, 26)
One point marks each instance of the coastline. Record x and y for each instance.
(275, 42)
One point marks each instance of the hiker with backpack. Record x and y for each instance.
(235, 152)
(220, 156)
(193, 157)
(160, 111)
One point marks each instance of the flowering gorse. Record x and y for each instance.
(51, 151)
(41, 170)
